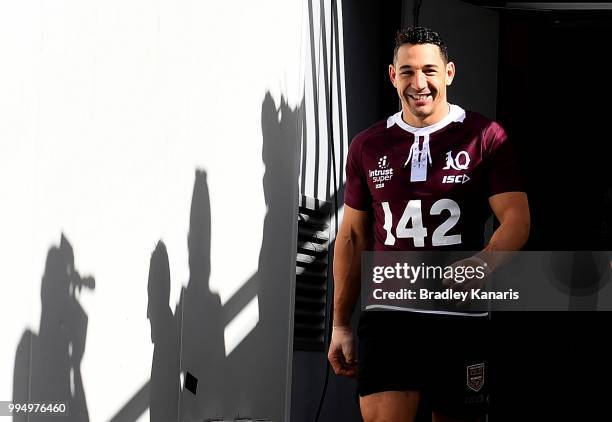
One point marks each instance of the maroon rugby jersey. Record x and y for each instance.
(428, 188)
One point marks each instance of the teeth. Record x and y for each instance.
(420, 97)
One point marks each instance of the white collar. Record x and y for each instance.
(455, 114)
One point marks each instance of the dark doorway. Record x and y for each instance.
(553, 100)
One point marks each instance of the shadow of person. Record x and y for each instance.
(202, 344)
(259, 364)
(51, 360)
(164, 385)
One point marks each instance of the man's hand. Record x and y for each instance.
(477, 269)
(341, 353)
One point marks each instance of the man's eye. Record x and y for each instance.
(430, 72)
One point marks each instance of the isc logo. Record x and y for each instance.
(461, 178)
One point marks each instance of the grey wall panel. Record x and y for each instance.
(471, 33)
(252, 380)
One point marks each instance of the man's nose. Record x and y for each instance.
(419, 81)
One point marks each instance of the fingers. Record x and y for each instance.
(342, 367)
(342, 360)
(349, 356)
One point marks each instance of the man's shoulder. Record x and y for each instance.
(482, 124)
(375, 131)
(490, 133)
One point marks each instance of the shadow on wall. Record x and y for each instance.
(258, 367)
(48, 365)
(202, 350)
(164, 386)
(252, 380)
(189, 343)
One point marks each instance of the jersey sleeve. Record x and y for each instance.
(503, 166)
(356, 193)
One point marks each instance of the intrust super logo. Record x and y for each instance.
(382, 174)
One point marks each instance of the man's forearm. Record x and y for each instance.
(509, 236)
(347, 276)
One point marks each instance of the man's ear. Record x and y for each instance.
(392, 74)
(450, 73)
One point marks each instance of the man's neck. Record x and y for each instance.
(432, 119)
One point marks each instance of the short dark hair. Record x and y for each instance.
(419, 35)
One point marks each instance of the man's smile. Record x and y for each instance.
(420, 96)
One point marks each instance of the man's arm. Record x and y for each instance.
(512, 212)
(351, 240)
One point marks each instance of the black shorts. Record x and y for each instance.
(445, 357)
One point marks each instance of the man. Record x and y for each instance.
(427, 178)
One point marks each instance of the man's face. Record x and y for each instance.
(420, 76)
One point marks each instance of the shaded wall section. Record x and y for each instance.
(347, 90)
(251, 379)
(471, 33)
(369, 33)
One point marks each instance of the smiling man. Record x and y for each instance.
(420, 73)
(426, 178)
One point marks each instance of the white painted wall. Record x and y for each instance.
(107, 109)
